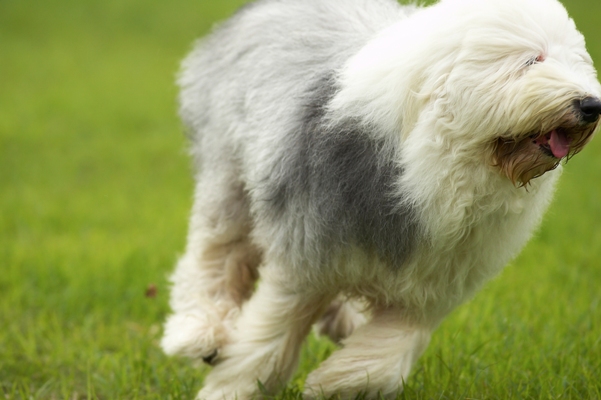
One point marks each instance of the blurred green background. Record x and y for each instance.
(95, 189)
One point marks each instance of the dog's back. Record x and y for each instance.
(235, 81)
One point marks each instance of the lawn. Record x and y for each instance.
(95, 190)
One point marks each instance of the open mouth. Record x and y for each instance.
(554, 144)
(531, 156)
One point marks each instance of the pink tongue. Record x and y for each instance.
(560, 144)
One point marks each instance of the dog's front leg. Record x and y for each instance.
(375, 359)
(265, 344)
(217, 273)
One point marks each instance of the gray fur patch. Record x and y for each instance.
(335, 184)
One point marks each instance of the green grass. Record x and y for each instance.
(95, 190)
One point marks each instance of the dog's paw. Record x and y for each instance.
(194, 335)
(340, 320)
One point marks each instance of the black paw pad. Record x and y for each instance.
(210, 359)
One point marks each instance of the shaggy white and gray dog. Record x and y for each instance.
(365, 167)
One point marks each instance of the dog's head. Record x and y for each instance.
(508, 79)
(523, 71)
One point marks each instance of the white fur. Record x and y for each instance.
(442, 82)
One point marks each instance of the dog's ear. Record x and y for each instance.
(391, 81)
(427, 87)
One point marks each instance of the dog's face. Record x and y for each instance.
(508, 79)
(525, 75)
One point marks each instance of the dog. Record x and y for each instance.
(364, 167)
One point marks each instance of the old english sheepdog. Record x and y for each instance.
(364, 167)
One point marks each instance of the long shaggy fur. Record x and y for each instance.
(365, 167)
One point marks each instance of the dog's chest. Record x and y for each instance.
(455, 258)
(493, 230)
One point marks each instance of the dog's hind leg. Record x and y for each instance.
(265, 346)
(374, 360)
(217, 272)
(341, 318)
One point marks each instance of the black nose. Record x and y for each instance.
(590, 109)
